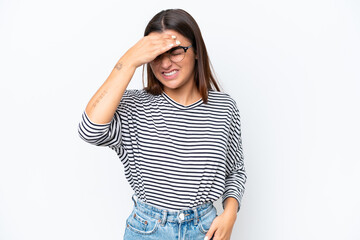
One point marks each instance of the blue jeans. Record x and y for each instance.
(147, 221)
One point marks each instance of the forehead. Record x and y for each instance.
(179, 37)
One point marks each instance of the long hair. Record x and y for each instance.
(183, 23)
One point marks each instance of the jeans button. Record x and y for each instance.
(181, 216)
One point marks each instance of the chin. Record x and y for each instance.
(170, 84)
(171, 87)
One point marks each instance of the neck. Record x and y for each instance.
(184, 96)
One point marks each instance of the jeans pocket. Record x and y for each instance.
(206, 220)
(141, 223)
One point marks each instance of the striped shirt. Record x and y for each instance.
(175, 156)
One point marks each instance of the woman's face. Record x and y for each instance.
(175, 75)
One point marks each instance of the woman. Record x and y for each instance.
(178, 138)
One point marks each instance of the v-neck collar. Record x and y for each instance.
(178, 105)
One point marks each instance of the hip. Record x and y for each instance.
(147, 221)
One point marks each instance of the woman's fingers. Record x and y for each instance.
(165, 41)
(151, 46)
(160, 43)
(169, 45)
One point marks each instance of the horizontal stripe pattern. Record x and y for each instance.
(175, 156)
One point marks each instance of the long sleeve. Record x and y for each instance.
(108, 134)
(235, 169)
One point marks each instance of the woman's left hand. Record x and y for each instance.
(222, 226)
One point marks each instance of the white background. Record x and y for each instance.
(291, 66)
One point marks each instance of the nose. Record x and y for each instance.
(165, 61)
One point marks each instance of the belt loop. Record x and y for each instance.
(134, 200)
(164, 217)
(196, 216)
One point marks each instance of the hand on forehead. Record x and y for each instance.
(170, 34)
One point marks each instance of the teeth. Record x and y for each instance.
(170, 73)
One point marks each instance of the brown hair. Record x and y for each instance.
(183, 23)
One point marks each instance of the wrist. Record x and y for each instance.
(131, 58)
(124, 66)
(229, 217)
(127, 62)
(230, 212)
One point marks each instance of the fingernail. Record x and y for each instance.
(206, 238)
(171, 45)
(173, 36)
(177, 42)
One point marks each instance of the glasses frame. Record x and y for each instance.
(169, 55)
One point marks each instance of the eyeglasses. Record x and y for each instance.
(176, 54)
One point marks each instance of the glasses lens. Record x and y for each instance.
(177, 54)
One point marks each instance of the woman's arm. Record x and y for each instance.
(221, 227)
(231, 205)
(103, 104)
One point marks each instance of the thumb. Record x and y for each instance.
(210, 233)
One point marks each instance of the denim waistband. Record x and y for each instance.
(165, 215)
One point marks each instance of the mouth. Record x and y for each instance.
(171, 74)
